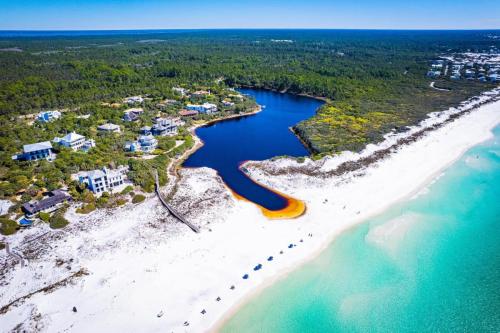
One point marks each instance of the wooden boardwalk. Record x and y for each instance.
(170, 208)
(14, 254)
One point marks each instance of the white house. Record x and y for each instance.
(36, 151)
(133, 100)
(48, 116)
(109, 128)
(207, 108)
(145, 143)
(103, 180)
(75, 141)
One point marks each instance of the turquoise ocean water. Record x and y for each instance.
(430, 264)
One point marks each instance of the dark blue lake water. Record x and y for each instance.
(257, 137)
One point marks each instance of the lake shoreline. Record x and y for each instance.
(419, 186)
(137, 254)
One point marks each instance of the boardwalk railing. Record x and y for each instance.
(170, 208)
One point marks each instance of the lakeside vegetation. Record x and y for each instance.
(373, 82)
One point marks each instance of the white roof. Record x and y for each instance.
(71, 137)
(108, 127)
(95, 174)
(137, 110)
(37, 146)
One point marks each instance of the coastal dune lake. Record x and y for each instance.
(430, 264)
(261, 136)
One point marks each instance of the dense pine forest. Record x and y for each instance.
(372, 82)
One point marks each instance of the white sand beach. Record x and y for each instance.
(134, 269)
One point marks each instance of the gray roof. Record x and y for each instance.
(72, 137)
(55, 197)
(95, 174)
(37, 146)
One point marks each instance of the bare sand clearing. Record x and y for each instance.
(134, 269)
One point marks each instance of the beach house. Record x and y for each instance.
(188, 113)
(133, 100)
(36, 151)
(166, 103)
(109, 128)
(200, 93)
(48, 116)
(227, 103)
(206, 108)
(54, 201)
(132, 114)
(166, 126)
(103, 180)
(145, 143)
(75, 141)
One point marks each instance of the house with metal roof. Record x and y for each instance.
(36, 151)
(133, 99)
(54, 201)
(145, 143)
(75, 141)
(132, 114)
(207, 108)
(109, 128)
(188, 113)
(48, 116)
(103, 180)
(166, 126)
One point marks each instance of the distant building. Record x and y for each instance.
(188, 113)
(166, 126)
(48, 116)
(132, 114)
(227, 103)
(54, 201)
(206, 108)
(145, 130)
(103, 180)
(200, 93)
(133, 100)
(180, 90)
(236, 96)
(145, 143)
(433, 73)
(75, 141)
(110, 128)
(165, 103)
(36, 151)
(469, 74)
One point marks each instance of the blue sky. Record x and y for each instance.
(194, 14)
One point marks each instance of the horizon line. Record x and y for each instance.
(205, 29)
